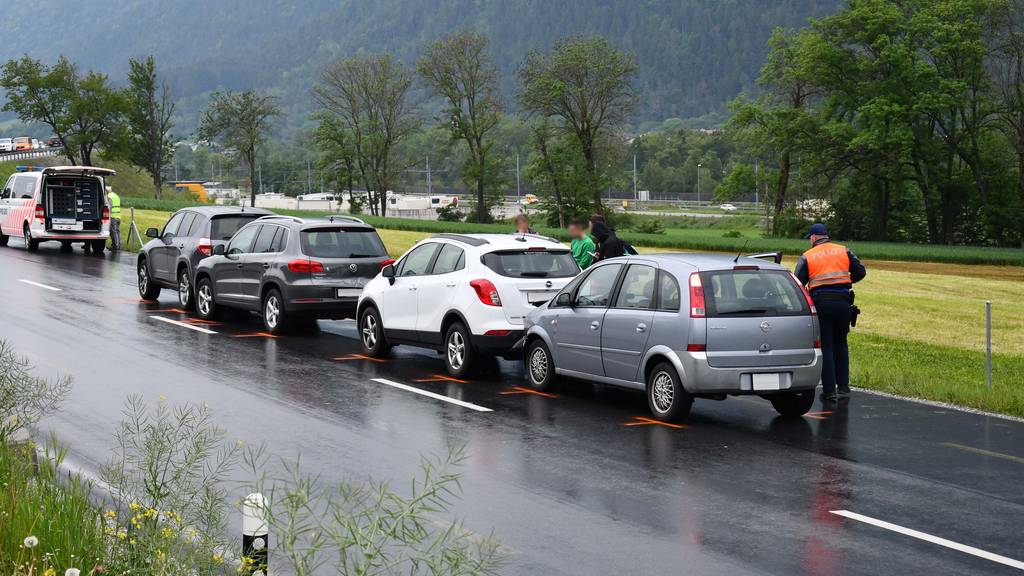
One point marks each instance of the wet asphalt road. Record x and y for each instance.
(570, 484)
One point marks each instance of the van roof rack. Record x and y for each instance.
(472, 241)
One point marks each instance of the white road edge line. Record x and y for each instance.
(428, 394)
(38, 285)
(183, 325)
(933, 539)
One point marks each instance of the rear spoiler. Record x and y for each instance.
(773, 256)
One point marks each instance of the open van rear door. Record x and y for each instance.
(78, 171)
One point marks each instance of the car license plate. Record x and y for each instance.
(765, 381)
(349, 292)
(538, 297)
(67, 226)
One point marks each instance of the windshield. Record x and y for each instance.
(532, 263)
(338, 242)
(737, 293)
(224, 227)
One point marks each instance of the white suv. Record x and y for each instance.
(463, 295)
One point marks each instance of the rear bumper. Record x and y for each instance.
(329, 308)
(508, 346)
(700, 378)
(47, 236)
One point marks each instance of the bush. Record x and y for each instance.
(449, 214)
(25, 398)
(732, 234)
(649, 226)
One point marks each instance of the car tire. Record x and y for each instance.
(148, 289)
(3, 239)
(666, 397)
(540, 366)
(65, 246)
(459, 356)
(186, 292)
(206, 303)
(275, 320)
(792, 404)
(98, 246)
(371, 333)
(30, 244)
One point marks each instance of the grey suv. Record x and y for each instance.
(679, 327)
(291, 270)
(169, 260)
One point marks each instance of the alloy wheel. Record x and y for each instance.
(369, 332)
(272, 311)
(456, 350)
(184, 289)
(538, 365)
(203, 299)
(664, 392)
(143, 279)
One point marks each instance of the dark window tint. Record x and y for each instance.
(637, 289)
(668, 292)
(243, 240)
(740, 293)
(532, 263)
(171, 228)
(280, 240)
(265, 239)
(450, 259)
(596, 289)
(185, 229)
(337, 242)
(416, 262)
(224, 227)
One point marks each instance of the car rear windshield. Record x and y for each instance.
(224, 227)
(337, 242)
(749, 292)
(532, 263)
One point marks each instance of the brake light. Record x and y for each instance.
(486, 292)
(40, 213)
(304, 265)
(205, 247)
(817, 344)
(696, 347)
(106, 214)
(696, 296)
(387, 262)
(807, 296)
(745, 268)
(497, 333)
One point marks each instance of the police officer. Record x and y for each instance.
(114, 201)
(829, 271)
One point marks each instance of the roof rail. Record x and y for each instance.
(537, 236)
(345, 217)
(471, 240)
(281, 217)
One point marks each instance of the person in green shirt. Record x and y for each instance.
(582, 245)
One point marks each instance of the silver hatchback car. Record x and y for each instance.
(679, 327)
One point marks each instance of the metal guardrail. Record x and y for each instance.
(30, 154)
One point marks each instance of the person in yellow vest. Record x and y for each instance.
(829, 271)
(114, 201)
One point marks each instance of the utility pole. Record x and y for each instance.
(517, 179)
(259, 171)
(698, 182)
(757, 192)
(430, 183)
(309, 182)
(635, 197)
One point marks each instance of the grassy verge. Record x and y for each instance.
(941, 373)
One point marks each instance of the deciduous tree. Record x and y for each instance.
(150, 109)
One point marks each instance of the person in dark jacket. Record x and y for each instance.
(608, 244)
(829, 271)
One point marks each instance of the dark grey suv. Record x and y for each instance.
(291, 270)
(169, 260)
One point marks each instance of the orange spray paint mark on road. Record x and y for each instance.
(642, 421)
(441, 378)
(168, 310)
(819, 415)
(256, 335)
(359, 357)
(520, 390)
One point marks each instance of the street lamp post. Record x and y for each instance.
(698, 182)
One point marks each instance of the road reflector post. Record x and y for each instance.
(255, 535)
(988, 343)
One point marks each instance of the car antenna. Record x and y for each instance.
(742, 249)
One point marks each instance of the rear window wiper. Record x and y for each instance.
(365, 255)
(535, 274)
(745, 311)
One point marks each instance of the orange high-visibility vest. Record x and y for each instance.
(827, 263)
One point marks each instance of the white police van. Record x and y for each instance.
(65, 204)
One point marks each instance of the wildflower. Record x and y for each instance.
(134, 506)
(166, 532)
(50, 572)
(72, 572)
(31, 542)
(111, 514)
(161, 555)
(122, 534)
(218, 558)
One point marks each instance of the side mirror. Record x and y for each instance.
(219, 250)
(152, 233)
(388, 272)
(564, 299)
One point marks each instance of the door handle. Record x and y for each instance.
(266, 265)
(238, 265)
(554, 322)
(595, 325)
(641, 327)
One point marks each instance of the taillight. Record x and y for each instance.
(106, 214)
(696, 296)
(696, 347)
(817, 344)
(40, 213)
(387, 262)
(304, 265)
(486, 291)
(497, 333)
(807, 296)
(205, 247)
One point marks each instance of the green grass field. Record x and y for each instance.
(921, 334)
